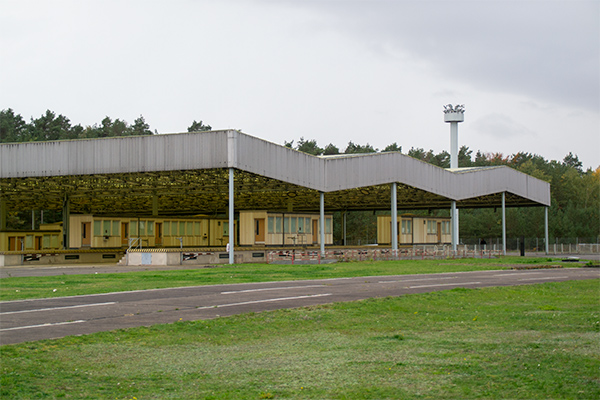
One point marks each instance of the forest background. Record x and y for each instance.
(574, 215)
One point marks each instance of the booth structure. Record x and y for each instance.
(47, 237)
(414, 230)
(232, 174)
(271, 228)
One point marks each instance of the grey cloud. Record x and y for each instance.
(500, 126)
(536, 48)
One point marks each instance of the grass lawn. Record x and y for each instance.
(522, 342)
(17, 288)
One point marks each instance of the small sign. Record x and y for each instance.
(146, 258)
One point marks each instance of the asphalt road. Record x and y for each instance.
(29, 320)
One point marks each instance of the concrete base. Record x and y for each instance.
(62, 258)
(157, 257)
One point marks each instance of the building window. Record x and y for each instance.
(150, 228)
(97, 228)
(271, 225)
(446, 227)
(106, 228)
(328, 226)
(431, 227)
(406, 227)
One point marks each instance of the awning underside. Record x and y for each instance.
(206, 192)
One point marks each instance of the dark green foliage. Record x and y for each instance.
(330, 149)
(309, 147)
(50, 126)
(12, 127)
(393, 147)
(358, 149)
(198, 127)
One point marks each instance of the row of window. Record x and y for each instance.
(432, 227)
(38, 242)
(107, 227)
(294, 225)
(406, 227)
(146, 228)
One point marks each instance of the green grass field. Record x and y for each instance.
(524, 342)
(15, 288)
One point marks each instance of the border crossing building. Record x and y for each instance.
(229, 189)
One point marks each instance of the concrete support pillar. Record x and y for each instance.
(3, 214)
(546, 245)
(322, 222)
(394, 217)
(504, 223)
(231, 217)
(66, 216)
(454, 145)
(454, 225)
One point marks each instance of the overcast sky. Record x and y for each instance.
(331, 70)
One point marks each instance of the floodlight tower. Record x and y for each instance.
(454, 115)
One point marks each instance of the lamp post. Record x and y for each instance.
(454, 115)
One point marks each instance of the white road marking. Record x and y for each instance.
(58, 308)
(263, 301)
(518, 273)
(275, 288)
(417, 280)
(541, 279)
(41, 325)
(445, 284)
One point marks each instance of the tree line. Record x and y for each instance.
(50, 126)
(575, 192)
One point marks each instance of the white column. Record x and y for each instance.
(453, 145)
(322, 221)
(231, 217)
(503, 223)
(394, 217)
(546, 230)
(454, 223)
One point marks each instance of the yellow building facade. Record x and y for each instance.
(259, 228)
(413, 229)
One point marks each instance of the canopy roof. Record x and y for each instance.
(185, 174)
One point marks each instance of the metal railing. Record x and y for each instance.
(414, 253)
